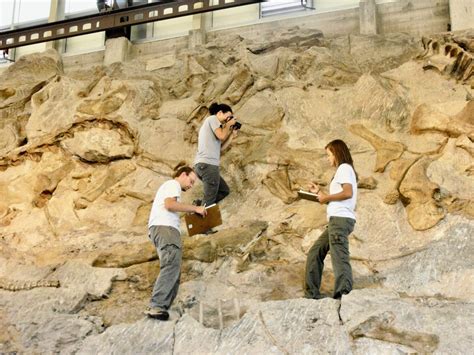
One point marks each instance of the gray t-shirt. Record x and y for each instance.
(209, 146)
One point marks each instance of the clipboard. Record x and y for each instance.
(308, 195)
(197, 224)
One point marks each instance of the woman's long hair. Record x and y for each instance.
(341, 153)
(182, 167)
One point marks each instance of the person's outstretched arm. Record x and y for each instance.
(172, 205)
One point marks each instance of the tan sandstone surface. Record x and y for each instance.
(83, 151)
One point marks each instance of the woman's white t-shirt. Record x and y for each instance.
(159, 215)
(345, 174)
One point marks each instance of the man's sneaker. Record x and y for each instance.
(197, 202)
(321, 296)
(157, 313)
(209, 231)
(317, 297)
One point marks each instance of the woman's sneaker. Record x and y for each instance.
(157, 313)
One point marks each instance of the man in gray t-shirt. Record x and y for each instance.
(215, 135)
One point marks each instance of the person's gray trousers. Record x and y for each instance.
(333, 239)
(167, 241)
(215, 187)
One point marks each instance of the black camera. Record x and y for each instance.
(236, 125)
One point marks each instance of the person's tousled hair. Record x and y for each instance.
(215, 108)
(182, 167)
(341, 153)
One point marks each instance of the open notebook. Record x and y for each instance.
(308, 195)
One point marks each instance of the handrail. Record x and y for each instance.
(113, 19)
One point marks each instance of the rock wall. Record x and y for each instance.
(82, 154)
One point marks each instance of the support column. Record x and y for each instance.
(202, 23)
(368, 17)
(116, 50)
(461, 13)
(150, 27)
(57, 13)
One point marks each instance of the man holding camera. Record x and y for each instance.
(215, 135)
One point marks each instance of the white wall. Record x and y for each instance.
(462, 14)
(90, 42)
(236, 16)
(173, 27)
(324, 5)
(33, 48)
(420, 17)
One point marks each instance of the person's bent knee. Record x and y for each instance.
(170, 256)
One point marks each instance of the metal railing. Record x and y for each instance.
(113, 19)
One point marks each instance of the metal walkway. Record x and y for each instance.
(113, 19)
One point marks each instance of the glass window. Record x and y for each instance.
(23, 11)
(6, 13)
(274, 7)
(90, 6)
(84, 43)
(73, 6)
(32, 10)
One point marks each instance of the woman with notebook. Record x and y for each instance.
(341, 201)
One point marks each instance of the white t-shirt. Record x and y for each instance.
(159, 215)
(345, 208)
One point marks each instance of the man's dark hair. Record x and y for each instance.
(215, 108)
(182, 167)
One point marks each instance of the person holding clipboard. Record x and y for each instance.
(341, 201)
(164, 232)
